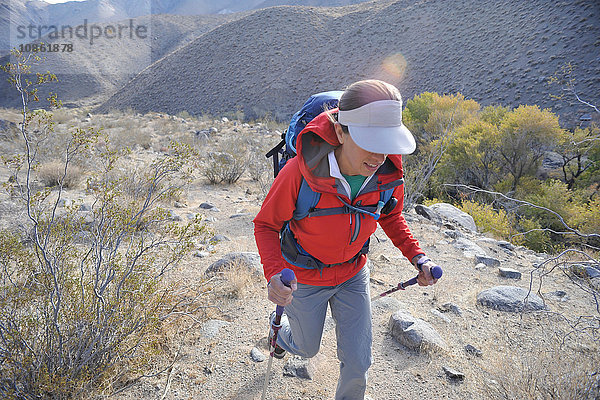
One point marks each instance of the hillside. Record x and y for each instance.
(39, 13)
(95, 69)
(269, 61)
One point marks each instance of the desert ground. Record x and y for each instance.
(207, 352)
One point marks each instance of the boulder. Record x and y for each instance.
(244, 260)
(428, 213)
(469, 247)
(509, 273)
(455, 215)
(488, 261)
(510, 299)
(414, 333)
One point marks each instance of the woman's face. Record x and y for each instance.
(354, 160)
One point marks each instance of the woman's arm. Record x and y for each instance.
(277, 208)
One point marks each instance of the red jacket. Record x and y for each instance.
(328, 238)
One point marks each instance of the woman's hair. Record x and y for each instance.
(364, 92)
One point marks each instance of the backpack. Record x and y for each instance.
(315, 105)
(307, 198)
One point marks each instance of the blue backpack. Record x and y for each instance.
(307, 198)
(315, 105)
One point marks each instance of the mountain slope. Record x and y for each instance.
(270, 61)
(23, 13)
(91, 72)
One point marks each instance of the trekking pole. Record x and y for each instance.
(287, 276)
(436, 272)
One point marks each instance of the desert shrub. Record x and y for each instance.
(533, 236)
(227, 164)
(81, 299)
(553, 373)
(488, 219)
(53, 173)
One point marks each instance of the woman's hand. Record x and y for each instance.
(280, 294)
(424, 278)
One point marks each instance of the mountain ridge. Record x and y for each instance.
(495, 55)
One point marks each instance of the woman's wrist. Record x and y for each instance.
(416, 259)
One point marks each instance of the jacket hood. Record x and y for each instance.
(317, 140)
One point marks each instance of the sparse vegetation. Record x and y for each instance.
(82, 298)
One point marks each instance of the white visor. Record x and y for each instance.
(377, 127)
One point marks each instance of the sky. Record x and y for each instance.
(59, 1)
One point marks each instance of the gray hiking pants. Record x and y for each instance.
(350, 304)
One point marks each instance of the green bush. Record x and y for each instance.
(488, 219)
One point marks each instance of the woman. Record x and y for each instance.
(349, 158)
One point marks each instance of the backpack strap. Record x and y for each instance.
(306, 202)
(308, 199)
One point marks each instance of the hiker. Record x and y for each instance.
(348, 159)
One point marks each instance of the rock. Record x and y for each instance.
(65, 202)
(85, 207)
(329, 324)
(455, 215)
(428, 213)
(210, 329)
(173, 216)
(446, 307)
(453, 234)
(506, 245)
(469, 246)
(414, 333)
(244, 260)
(207, 206)
(488, 261)
(239, 215)
(453, 373)
(480, 266)
(592, 272)
(559, 295)
(177, 204)
(510, 299)
(213, 130)
(440, 315)
(552, 160)
(473, 350)
(200, 254)
(303, 368)
(385, 259)
(509, 273)
(7, 127)
(219, 238)
(257, 355)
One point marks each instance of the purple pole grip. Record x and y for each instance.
(436, 272)
(287, 276)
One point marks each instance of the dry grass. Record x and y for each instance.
(52, 172)
(545, 373)
(237, 282)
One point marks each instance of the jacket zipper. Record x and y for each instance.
(356, 225)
